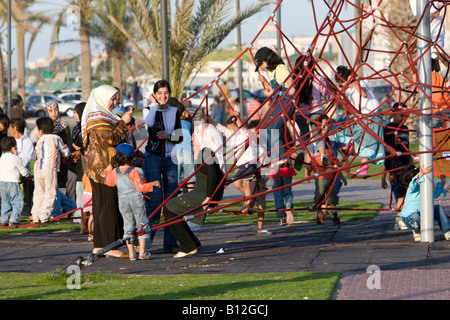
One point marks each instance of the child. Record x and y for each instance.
(410, 214)
(237, 137)
(86, 203)
(325, 181)
(130, 186)
(185, 151)
(25, 152)
(259, 185)
(283, 197)
(4, 125)
(396, 135)
(49, 148)
(363, 99)
(11, 168)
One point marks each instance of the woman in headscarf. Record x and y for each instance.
(208, 189)
(102, 131)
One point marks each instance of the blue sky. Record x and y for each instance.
(296, 19)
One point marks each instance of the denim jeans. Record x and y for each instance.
(12, 201)
(413, 221)
(62, 204)
(166, 172)
(283, 197)
(131, 204)
(185, 164)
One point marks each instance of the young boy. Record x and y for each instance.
(410, 214)
(25, 152)
(327, 184)
(11, 168)
(49, 149)
(396, 135)
(130, 186)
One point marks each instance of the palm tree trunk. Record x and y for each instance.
(117, 69)
(20, 42)
(85, 61)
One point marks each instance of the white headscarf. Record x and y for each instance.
(207, 136)
(97, 107)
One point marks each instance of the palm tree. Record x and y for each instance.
(195, 33)
(83, 9)
(26, 21)
(116, 43)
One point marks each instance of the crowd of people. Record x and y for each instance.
(189, 153)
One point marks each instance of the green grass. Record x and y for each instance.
(98, 286)
(356, 210)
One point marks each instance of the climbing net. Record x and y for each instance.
(344, 116)
(373, 20)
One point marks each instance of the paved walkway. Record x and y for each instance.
(403, 269)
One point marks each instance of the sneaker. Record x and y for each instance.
(399, 224)
(15, 224)
(336, 219)
(447, 235)
(417, 237)
(298, 163)
(362, 172)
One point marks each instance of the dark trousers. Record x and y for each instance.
(181, 231)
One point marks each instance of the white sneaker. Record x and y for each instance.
(447, 235)
(417, 237)
(399, 224)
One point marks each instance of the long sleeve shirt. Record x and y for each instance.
(11, 168)
(135, 177)
(49, 148)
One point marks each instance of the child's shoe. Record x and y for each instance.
(336, 219)
(362, 172)
(447, 235)
(144, 255)
(417, 237)
(399, 224)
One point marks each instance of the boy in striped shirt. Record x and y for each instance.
(49, 149)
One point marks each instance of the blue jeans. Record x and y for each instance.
(12, 201)
(283, 197)
(62, 204)
(413, 221)
(166, 172)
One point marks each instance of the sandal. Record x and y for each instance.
(144, 255)
(264, 232)
(282, 221)
(132, 257)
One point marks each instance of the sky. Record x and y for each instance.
(296, 19)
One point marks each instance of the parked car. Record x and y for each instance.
(36, 105)
(71, 97)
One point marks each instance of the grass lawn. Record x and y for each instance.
(98, 286)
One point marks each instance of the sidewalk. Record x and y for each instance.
(407, 270)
